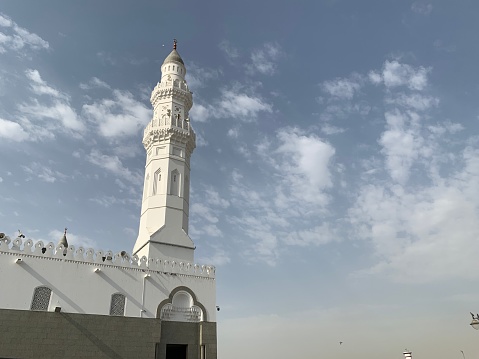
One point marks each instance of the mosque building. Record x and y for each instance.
(58, 301)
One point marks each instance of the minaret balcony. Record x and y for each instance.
(167, 122)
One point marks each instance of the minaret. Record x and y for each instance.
(169, 141)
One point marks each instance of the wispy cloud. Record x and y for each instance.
(198, 77)
(342, 87)
(93, 83)
(12, 131)
(230, 51)
(281, 212)
(422, 224)
(264, 60)
(18, 38)
(396, 74)
(50, 104)
(236, 103)
(114, 165)
(422, 8)
(120, 116)
(206, 211)
(44, 173)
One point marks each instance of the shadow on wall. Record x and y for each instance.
(55, 290)
(104, 348)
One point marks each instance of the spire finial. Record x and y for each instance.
(65, 233)
(174, 44)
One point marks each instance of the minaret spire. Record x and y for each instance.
(169, 142)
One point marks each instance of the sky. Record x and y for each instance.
(335, 183)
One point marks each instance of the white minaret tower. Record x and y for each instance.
(169, 141)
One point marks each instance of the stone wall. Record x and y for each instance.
(193, 334)
(52, 335)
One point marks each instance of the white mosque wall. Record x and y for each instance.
(83, 281)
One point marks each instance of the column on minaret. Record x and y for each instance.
(169, 142)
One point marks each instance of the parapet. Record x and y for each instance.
(108, 258)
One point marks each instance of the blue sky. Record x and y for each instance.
(335, 183)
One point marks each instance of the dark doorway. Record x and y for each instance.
(176, 351)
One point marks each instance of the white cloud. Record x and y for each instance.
(264, 60)
(341, 87)
(40, 87)
(238, 104)
(415, 101)
(44, 173)
(200, 113)
(5, 21)
(315, 236)
(233, 103)
(197, 77)
(233, 132)
(213, 198)
(375, 77)
(289, 191)
(331, 130)
(310, 157)
(114, 165)
(230, 51)
(395, 74)
(205, 214)
(121, 116)
(424, 234)
(108, 201)
(18, 38)
(94, 82)
(203, 211)
(12, 131)
(421, 8)
(423, 224)
(56, 106)
(107, 58)
(57, 110)
(400, 146)
(404, 142)
(218, 258)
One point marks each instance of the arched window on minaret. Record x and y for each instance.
(175, 183)
(117, 305)
(145, 190)
(41, 298)
(157, 180)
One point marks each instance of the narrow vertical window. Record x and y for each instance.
(117, 305)
(157, 181)
(175, 183)
(41, 298)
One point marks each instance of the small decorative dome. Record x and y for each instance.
(64, 241)
(174, 56)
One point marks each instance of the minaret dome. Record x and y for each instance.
(173, 65)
